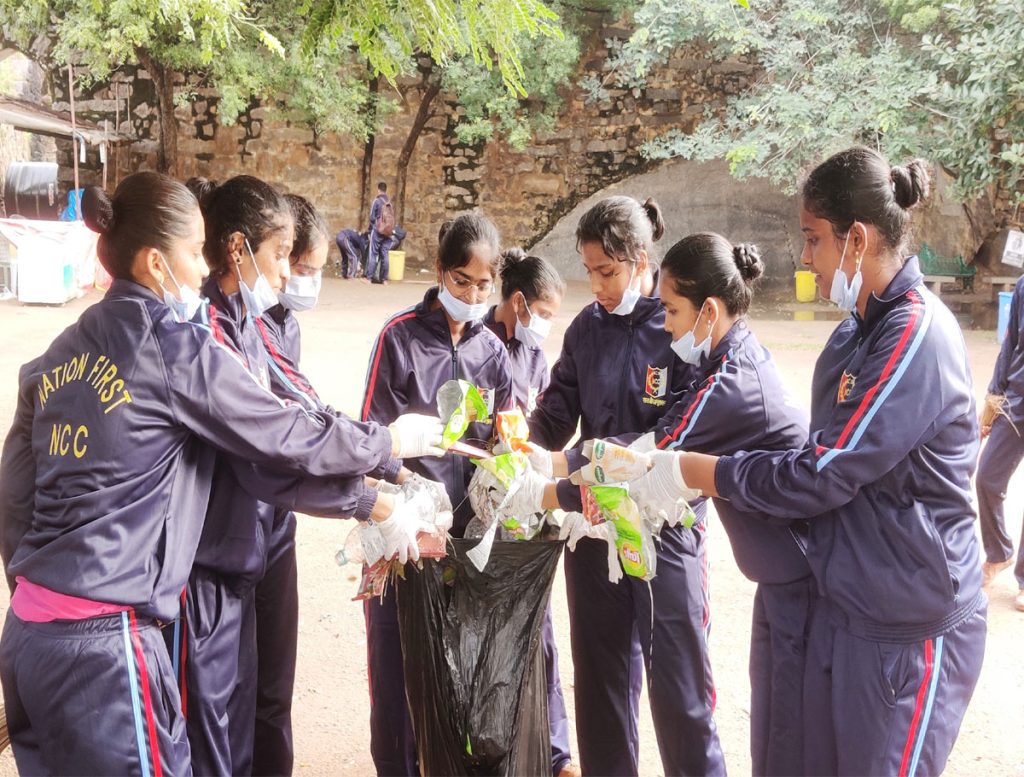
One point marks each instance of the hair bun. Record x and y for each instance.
(653, 211)
(97, 210)
(512, 255)
(443, 230)
(911, 183)
(748, 261)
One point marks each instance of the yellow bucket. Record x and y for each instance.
(806, 288)
(396, 265)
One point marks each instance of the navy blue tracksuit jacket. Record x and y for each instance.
(885, 482)
(740, 403)
(106, 476)
(412, 358)
(617, 375)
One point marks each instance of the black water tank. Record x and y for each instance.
(30, 190)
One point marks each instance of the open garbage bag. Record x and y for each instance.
(474, 670)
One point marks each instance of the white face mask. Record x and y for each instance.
(629, 297)
(460, 311)
(187, 301)
(259, 299)
(301, 292)
(685, 348)
(535, 332)
(845, 292)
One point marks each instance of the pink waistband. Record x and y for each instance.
(36, 604)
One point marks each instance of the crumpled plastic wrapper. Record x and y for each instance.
(459, 404)
(630, 535)
(364, 544)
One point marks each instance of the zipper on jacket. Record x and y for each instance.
(624, 383)
(459, 474)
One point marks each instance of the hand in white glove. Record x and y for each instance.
(660, 490)
(528, 496)
(411, 516)
(415, 435)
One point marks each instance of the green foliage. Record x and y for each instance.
(490, 108)
(834, 72)
(389, 34)
(310, 59)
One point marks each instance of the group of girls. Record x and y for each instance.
(157, 486)
(146, 487)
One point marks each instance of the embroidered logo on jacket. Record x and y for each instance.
(656, 385)
(846, 384)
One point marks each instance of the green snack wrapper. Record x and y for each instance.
(460, 403)
(617, 507)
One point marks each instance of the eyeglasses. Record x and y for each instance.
(464, 284)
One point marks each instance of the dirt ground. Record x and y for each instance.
(331, 700)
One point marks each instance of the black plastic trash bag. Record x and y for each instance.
(474, 670)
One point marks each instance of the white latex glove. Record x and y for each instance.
(528, 497)
(410, 517)
(659, 491)
(417, 435)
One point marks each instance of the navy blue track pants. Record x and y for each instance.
(95, 696)
(894, 708)
(665, 620)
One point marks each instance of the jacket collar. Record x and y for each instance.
(229, 305)
(736, 335)
(909, 277)
(121, 288)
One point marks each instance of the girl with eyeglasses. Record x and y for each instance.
(420, 349)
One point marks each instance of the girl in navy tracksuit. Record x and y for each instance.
(277, 592)
(249, 235)
(738, 402)
(417, 351)
(531, 295)
(105, 480)
(1001, 422)
(898, 636)
(616, 374)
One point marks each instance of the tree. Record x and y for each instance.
(909, 77)
(263, 49)
(492, 106)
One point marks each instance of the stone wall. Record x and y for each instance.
(526, 192)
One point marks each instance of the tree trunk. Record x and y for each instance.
(163, 83)
(367, 169)
(423, 115)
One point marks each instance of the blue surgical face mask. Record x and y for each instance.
(844, 292)
(301, 292)
(629, 297)
(187, 301)
(685, 347)
(535, 332)
(260, 298)
(460, 311)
